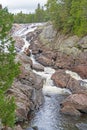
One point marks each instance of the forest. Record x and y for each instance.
(67, 16)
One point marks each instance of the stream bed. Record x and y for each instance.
(49, 117)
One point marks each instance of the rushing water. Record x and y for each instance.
(49, 117)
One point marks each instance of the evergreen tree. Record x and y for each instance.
(8, 68)
(69, 16)
(39, 13)
(79, 17)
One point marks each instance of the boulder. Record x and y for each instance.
(76, 86)
(35, 47)
(27, 51)
(64, 80)
(49, 54)
(63, 61)
(75, 102)
(44, 60)
(81, 70)
(60, 78)
(30, 78)
(70, 110)
(38, 67)
(29, 36)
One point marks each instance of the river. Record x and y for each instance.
(48, 117)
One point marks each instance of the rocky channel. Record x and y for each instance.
(68, 55)
(65, 54)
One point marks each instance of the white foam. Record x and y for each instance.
(26, 45)
(77, 77)
(73, 75)
(55, 90)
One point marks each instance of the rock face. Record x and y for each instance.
(48, 34)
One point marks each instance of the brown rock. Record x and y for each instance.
(50, 54)
(75, 86)
(22, 58)
(60, 78)
(36, 47)
(27, 51)
(63, 61)
(64, 80)
(30, 78)
(44, 60)
(38, 67)
(70, 110)
(77, 102)
(81, 70)
(22, 94)
(81, 59)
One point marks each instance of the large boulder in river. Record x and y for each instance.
(44, 60)
(38, 67)
(60, 78)
(27, 51)
(65, 80)
(75, 102)
(35, 47)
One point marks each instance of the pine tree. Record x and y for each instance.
(8, 68)
(69, 16)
